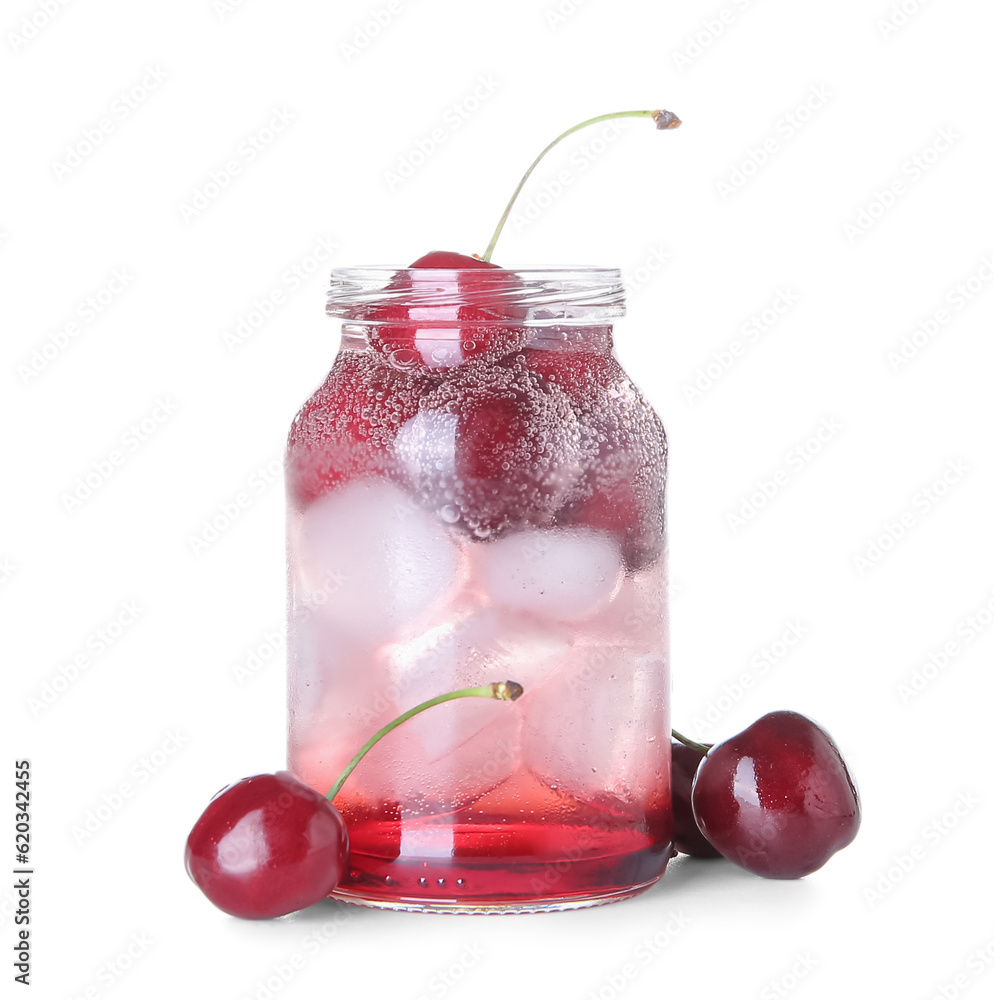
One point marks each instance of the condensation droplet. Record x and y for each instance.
(460, 881)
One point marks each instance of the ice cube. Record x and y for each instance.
(565, 574)
(635, 618)
(601, 727)
(426, 444)
(371, 561)
(457, 751)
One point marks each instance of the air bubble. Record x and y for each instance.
(449, 514)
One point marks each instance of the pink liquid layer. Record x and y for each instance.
(559, 854)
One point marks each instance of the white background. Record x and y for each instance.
(162, 709)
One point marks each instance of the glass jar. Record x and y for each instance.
(476, 494)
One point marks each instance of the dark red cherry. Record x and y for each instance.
(687, 838)
(624, 468)
(266, 846)
(491, 448)
(777, 798)
(448, 259)
(446, 309)
(345, 430)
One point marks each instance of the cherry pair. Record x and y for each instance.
(777, 799)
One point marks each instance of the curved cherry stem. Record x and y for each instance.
(500, 690)
(663, 120)
(701, 748)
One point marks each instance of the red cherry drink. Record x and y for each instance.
(477, 491)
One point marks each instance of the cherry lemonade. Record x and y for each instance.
(477, 490)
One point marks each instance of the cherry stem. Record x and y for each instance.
(663, 120)
(693, 744)
(500, 690)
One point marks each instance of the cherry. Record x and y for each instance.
(346, 428)
(624, 470)
(777, 798)
(479, 335)
(438, 316)
(267, 845)
(492, 448)
(687, 837)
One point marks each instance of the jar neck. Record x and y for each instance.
(447, 347)
(442, 317)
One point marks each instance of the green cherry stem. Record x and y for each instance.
(699, 747)
(500, 690)
(663, 120)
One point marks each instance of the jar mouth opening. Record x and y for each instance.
(523, 297)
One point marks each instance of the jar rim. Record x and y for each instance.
(524, 296)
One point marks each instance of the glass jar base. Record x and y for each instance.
(549, 904)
